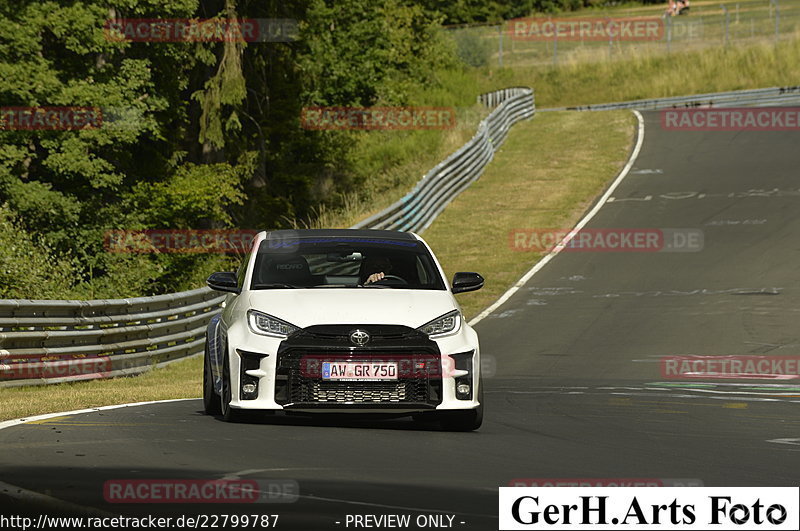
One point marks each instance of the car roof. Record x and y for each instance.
(339, 233)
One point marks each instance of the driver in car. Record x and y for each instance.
(374, 269)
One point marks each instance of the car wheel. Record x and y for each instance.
(467, 420)
(211, 402)
(229, 414)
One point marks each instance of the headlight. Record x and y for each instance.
(446, 325)
(266, 325)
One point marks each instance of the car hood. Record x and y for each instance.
(306, 307)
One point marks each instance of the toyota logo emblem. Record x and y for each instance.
(359, 338)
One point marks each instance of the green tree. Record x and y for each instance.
(28, 268)
(69, 187)
(195, 134)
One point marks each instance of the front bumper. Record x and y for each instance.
(287, 374)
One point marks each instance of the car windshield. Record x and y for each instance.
(345, 262)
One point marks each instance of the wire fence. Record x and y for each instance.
(542, 40)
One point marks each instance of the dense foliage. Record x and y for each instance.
(200, 135)
(195, 134)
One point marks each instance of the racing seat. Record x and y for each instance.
(292, 270)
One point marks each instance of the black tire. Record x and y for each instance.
(467, 420)
(211, 402)
(229, 414)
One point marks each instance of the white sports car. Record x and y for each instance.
(343, 321)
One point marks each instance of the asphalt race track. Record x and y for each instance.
(578, 390)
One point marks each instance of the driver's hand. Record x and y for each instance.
(374, 277)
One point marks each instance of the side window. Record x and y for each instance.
(242, 270)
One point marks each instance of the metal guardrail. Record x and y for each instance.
(767, 97)
(54, 341)
(417, 209)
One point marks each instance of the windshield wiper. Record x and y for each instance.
(275, 285)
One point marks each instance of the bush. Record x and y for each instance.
(28, 268)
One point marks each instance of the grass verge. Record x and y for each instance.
(545, 176)
(182, 379)
(644, 75)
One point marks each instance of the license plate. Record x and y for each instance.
(349, 371)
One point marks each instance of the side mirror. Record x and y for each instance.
(466, 282)
(224, 281)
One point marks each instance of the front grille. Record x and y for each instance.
(300, 383)
(364, 392)
(299, 380)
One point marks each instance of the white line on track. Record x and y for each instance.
(795, 442)
(25, 495)
(24, 420)
(251, 471)
(541, 263)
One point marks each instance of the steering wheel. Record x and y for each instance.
(391, 277)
